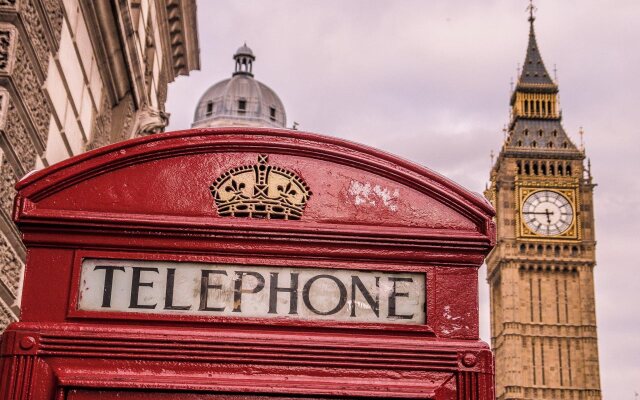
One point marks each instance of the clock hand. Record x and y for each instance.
(546, 211)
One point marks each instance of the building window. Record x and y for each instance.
(272, 113)
(242, 106)
(209, 108)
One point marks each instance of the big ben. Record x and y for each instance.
(543, 323)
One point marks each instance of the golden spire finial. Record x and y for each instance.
(492, 156)
(532, 9)
(581, 132)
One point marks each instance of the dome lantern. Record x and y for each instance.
(244, 60)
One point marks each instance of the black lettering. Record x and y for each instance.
(394, 294)
(274, 289)
(237, 289)
(108, 282)
(373, 303)
(168, 297)
(135, 287)
(342, 300)
(204, 289)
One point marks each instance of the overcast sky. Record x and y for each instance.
(429, 81)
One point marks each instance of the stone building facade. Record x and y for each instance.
(76, 75)
(543, 322)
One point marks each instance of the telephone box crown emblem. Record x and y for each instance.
(260, 191)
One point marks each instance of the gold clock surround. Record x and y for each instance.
(569, 192)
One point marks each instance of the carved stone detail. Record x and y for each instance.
(4, 106)
(11, 4)
(31, 92)
(10, 266)
(163, 85)
(150, 121)
(7, 191)
(18, 137)
(6, 317)
(129, 120)
(36, 33)
(7, 47)
(55, 14)
(101, 135)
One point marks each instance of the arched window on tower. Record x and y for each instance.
(535, 167)
(526, 106)
(560, 169)
(543, 168)
(534, 144)
(527, 171)
(568, 169)
(552, 168)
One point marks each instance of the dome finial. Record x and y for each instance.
(244, 60)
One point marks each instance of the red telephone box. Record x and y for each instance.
(247, 263)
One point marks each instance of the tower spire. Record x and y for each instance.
(535, 113)
(532, 9)
(533, 71)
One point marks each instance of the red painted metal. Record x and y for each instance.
(149, 199)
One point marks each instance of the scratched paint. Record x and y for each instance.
(366, 194)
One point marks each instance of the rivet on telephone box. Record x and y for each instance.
(247, 263)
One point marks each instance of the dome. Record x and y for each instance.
(240, 100)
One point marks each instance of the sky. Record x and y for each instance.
(430, 81)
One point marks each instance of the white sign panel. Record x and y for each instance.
(184, 288)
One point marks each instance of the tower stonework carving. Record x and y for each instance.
(543, 323)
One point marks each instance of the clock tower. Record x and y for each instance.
(543, 324)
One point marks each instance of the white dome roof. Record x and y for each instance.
(240, 100)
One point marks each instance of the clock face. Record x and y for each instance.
(547, 213)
